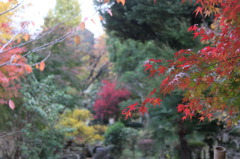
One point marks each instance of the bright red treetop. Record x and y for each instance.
(106, 105)
(209, 77)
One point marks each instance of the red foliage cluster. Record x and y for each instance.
(143, 108)
(13, 67)
(209, 77)
(106, 105)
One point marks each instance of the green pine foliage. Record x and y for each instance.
(142, 20)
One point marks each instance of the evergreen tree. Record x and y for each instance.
(142, 31)
(164, 21)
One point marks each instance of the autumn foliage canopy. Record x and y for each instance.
(209, 77)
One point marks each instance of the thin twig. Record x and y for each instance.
(221, 61)
(94, 66)
(102, 69)
(5, 45)
(45, 46)
(44, 34)
(49, 54)
(11, 8)
(48, 44)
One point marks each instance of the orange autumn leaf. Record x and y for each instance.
(93, 21)
(100, 17)
(16, 58)
(28, 68)
(41, 66)
(26, 37)
(77, 39)
(82, 25)
(11, 104)
(18, 40)
(106, 1)
(121, 1)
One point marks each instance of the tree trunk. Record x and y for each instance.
(185, 151)
(219, 152)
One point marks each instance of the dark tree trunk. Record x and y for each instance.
(185, 152)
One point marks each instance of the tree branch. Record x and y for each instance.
(103, 68)
(5, 45)
(221, 61)
(11, 8)
(45, 46)
(49, 54)
(44, 34)
(94, 66)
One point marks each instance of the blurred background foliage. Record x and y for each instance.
(58, 109)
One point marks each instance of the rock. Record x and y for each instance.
(103, 153)
(71, 156)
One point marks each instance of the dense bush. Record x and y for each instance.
(77, 122)
(42, 144)
(114, 136)
(131, 138)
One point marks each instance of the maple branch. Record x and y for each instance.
(41, 36)
(11, 8)
(45, 46)
(221, 61)
(30, 41)
(103, 68)
(49, 54)
(5, 45)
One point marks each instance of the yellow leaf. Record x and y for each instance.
(213, 26)
(26, 37)
(77, 39)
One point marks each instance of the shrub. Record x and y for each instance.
(76, 122)
(114, 135)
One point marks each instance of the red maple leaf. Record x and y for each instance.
(133, 106)
(165, 81)
(184, 118)
(181, 107)
(201, 119)
(198, 10)
(161, 70)
(192, 28)
(143, 110)
(154, 90)
(148, 66)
